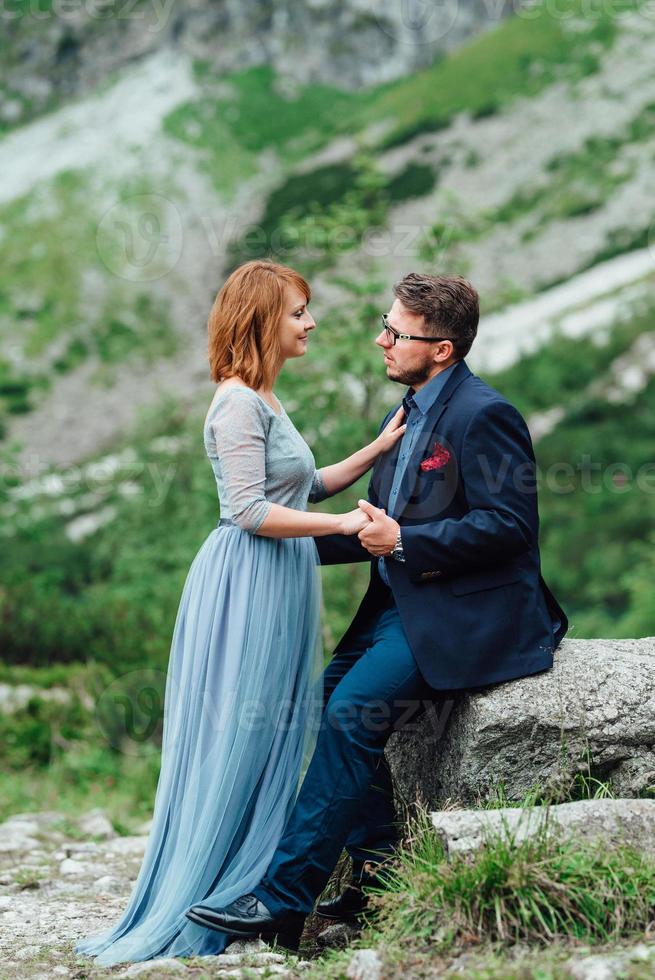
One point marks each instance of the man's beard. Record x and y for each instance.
(412, 377)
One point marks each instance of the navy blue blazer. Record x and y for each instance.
(470, 594)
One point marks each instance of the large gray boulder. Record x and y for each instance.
(607, 822)
(593, 713)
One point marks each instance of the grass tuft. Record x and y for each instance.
(539, 890)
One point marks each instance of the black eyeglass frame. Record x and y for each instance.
(391, 333)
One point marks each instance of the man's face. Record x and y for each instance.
(411, 362)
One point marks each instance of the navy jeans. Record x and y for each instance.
(346, 797)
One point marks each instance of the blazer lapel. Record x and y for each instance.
(426, 439)
(385, 467)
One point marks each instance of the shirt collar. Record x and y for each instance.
(425, 398)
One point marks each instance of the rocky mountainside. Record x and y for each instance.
(522, 175)
(50, 56)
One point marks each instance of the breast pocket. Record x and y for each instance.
(488, 578)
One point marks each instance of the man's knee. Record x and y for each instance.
(370, 720)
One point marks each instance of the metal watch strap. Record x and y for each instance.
(397, 550)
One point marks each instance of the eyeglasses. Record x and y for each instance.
(393, 335)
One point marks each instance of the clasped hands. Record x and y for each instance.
(380, 533)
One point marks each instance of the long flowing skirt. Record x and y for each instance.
(242, 708)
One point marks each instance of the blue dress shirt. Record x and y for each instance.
(417, 404)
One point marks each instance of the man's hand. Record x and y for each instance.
(381, 534)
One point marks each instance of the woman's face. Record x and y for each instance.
(296, 323)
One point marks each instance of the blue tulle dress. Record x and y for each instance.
(243, 696)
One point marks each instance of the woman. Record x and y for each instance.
(243, 692)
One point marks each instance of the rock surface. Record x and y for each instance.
(608, 821)
(613, 966)
(592, 714)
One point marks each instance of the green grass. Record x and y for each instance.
(123, 786)
(519, 57)
(258, 115)
(536, 891)
(517, 909)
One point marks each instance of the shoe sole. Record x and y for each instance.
(287, 940)
(353, 917)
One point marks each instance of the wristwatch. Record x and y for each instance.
(397, 550)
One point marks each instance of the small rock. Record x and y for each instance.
(26, 952)
(605, 966)
(11, 110)
(82, 847)
(23, 823)
(365, 965)
(69, 866)
(16, 841)
(107, 884)
(127, 845)
(257, 958)
(97, 824)
(157, 967)
(337, 936)
(246, 946)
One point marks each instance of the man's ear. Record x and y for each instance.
(439, 349)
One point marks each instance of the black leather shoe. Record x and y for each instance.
(248, 917)
(349, 905)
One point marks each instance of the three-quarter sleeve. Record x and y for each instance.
(240, 428)
(317, 490)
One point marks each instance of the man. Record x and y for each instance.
(456, 600)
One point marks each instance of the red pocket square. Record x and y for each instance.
(440, 456)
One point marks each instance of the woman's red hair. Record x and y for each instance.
(244, 321)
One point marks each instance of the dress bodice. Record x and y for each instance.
(258, 458)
